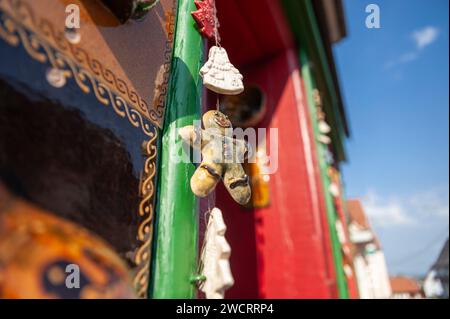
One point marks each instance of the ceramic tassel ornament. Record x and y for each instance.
(221, 158)
(219, 75)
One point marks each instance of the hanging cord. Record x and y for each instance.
(217, 40)
(199, 278)
(216, 26)
(218, 102)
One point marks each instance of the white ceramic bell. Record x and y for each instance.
(219, 75)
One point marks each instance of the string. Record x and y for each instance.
(211, 197)
(207, 216)
(216, 36)
(216, 26)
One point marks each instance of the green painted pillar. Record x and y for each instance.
(310, 85)
(176, 225)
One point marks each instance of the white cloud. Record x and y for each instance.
(408, 57)
(425, 36)
(422, 38)
(413, 210)
(404, 58)
(385, 212)
(431, 203)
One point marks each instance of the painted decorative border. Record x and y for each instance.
(146, 211)
(15, 33)
(44, 34)
(162, 87)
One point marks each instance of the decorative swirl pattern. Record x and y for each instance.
(15, 33)
(23, 15)
(146, 210)
(106, 88)
(162, 88)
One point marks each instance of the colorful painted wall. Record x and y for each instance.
(289, 248)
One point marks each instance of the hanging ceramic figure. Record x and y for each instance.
(206, 19)
(324, 128)
(324, 139)
(215, 258)
(219, 75)
(222, 157)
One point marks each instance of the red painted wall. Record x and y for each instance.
(282, 251)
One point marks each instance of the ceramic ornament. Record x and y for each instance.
(324, 128)
(56, 77)
(206, 20)
(340, 232)
(222, 157)
(215, 259)
(324, 139)
(329, 158)
(334, 190)
(219, 75)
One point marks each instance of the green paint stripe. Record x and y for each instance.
(310, 85)
(306, 30)
(327, 73)
(176, 231)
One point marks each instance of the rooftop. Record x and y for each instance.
(401, 284)
(357, 214)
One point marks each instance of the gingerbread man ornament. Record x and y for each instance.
(221, 157)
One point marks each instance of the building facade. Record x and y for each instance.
(90, 118)
(405, 288)
(368, 257)
(436, 281)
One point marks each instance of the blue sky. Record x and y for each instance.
(395, 86)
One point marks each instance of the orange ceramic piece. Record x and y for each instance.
(38, 252)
